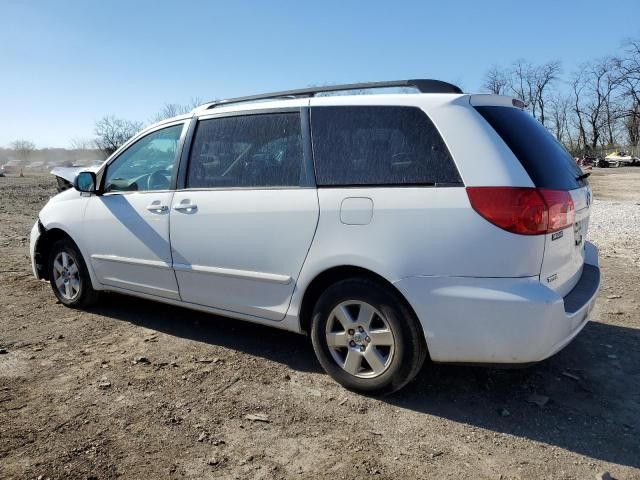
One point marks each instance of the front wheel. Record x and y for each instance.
(366, 338)
(69, 277)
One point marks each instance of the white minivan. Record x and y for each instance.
(389, 227)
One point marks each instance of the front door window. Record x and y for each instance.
(146, 165)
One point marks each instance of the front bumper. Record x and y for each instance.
(500, 320)
(33, 241)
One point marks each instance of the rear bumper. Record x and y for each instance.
(500, 320)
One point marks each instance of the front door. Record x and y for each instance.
(241, 228)
(127, 227)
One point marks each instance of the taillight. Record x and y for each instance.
(523, 210)
(562, 212)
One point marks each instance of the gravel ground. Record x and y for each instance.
(217, 398)
(615, 228)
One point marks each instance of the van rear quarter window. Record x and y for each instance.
(547, 162)
(379, 145)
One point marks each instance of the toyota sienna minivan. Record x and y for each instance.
(389, 227)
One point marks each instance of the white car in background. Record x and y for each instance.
(621, 159)
(389, 227)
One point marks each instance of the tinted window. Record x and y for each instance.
(247, 151)
(379, 146)
(546, 161)
(147, 164)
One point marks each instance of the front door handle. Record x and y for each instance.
(157, 208)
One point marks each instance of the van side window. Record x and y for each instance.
(262, 150)
(379, 145)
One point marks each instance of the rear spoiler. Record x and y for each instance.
(495, 101)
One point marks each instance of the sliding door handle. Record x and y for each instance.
(187, 207)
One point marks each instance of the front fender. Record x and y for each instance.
(64, 215)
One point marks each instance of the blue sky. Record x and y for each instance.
(66, 63)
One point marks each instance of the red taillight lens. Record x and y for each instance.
(562, 212)
(523, 210)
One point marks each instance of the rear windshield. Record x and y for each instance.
(546, 161)
(379, 145)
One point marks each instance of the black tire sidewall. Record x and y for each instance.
(410, 347)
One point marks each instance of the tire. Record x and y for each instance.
(68, 276)
(391, 322)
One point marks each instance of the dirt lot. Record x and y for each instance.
(75, 404)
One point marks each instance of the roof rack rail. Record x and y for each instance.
(422, 85)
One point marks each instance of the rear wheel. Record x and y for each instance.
(69, 277)
(366, 338)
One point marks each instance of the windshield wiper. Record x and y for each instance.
(583, 176)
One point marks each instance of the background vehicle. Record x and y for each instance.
(11, 167)
(620, 159)
(366, 220)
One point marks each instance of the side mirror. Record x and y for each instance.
(85, 182)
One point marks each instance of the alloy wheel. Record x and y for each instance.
(360, 339)
(66, 275)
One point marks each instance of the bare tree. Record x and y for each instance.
(542, 78)
(522, 83)
(600, 106)
(632, 125)
(169, 110)
(111, 133)
(629, 71)
(23, 149)
(578, 86)
(614, 111)
(596, 105)
(560, 111)
(496, 80)
(531, 84)
(607, 76)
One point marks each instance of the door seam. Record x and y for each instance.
(173, 193)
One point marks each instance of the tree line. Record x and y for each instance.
(594, 108)
(110, 132)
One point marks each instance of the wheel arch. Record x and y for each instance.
(328, 277)
(43, 246)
